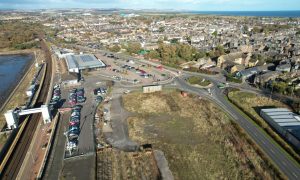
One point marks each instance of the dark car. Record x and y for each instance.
(81, 99)
(99, 99)
(73, 128)
(74, 121)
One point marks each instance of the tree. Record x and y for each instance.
(215, 33)
(152, 55)
(161, 29)
(189, 39)
(133, 47)
(279, 87)
(186, 52)
(115, 48)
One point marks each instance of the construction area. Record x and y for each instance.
(113, 163)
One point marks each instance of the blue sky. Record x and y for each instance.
(200, 5)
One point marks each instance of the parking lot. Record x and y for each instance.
(131, 72)
(82, 103)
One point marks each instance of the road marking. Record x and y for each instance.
(272, 151)
(255, 134)
(263, 142)
(295, 175)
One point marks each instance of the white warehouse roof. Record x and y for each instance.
(282, 116)
(84, 61)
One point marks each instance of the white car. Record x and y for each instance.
(126, 91)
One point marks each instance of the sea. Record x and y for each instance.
(12, 69)
(281, 14)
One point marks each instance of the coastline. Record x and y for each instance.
(5, 97)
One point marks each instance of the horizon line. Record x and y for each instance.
(134, 9)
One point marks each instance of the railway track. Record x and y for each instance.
(15, 161)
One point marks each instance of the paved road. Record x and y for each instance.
(119, 138)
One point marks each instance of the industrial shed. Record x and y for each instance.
(285, 122)
(76, 63)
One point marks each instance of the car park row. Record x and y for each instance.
(74, 127)
(56, 97)
(75, 96)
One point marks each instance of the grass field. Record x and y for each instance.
(197, 138)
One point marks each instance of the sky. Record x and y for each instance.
(199, 5)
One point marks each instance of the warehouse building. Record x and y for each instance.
(285, 122)
(76, 63)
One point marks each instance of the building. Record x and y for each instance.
(264, 78)
(285, 122)
(152, 88)
(247, 73)
(237, 58)
(284, 68)
(76, 63)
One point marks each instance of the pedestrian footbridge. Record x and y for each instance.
(12, 116)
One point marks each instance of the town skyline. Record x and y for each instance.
(192, 5)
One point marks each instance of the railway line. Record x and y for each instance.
(15, 160)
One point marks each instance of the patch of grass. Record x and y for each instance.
(195, 80)
(231, 78)
(197, 138)
(3, 139)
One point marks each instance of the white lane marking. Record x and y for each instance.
(295, 175)
(272, 151)
(263, 142)
(255, 134)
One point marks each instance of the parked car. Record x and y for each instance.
(73, 134)
(99, 99)
(73, 128)
(77, 107)
(74, 123)
(81, 99)
(100, 91)
(72, 144)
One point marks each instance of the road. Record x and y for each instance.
(119, 138)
